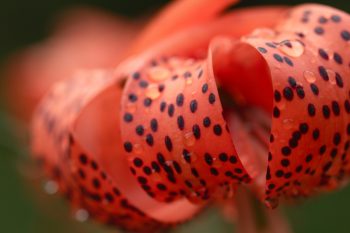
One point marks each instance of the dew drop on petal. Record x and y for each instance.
(189, 81)
(288, 123)
(331, 75)
(158, 73)
(169, 163)
(292, 48)
(264, 32)
(193, 157)
(309, 76)
(189, 139)
(152, 91)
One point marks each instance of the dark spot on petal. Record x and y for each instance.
(180, 100)
(128, 117)
(128, 147)
(168, 143)
(345, 35)
(193, 106)
(278, 57)
(180, 122)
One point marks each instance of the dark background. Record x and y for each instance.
(24, 207)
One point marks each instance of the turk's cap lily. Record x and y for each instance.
(198, 107)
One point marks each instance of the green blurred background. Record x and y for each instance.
(25, 209)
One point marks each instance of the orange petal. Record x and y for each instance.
(169, 126)
(193, 12)
(84, 160)
(85, 38)
(194, 41)
(299, 78)
(168, 146)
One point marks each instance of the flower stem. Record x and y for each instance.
(253, 217)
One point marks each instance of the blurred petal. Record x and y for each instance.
(85, 38)
(193, 12)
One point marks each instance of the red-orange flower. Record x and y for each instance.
(200, 106)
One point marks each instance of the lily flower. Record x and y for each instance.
(202, 110)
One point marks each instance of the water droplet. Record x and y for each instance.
(189, 81)
(331, 75)
(138, 149)
(189, 139)
(264, 32)
(81, 215)
(51, 187)
(292, 48)
(309, 76)
(174, 62)
(158, 73)
(152, 91)
(288, 123)
(169, 162)
(193, 158)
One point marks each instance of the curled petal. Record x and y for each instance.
(285, 135)
(297, 75)
(278, 70)
(181, 111)
(86, 161)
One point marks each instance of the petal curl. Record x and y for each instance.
(92, 172)
(300, 78)
(167, 121)
(291, 72)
